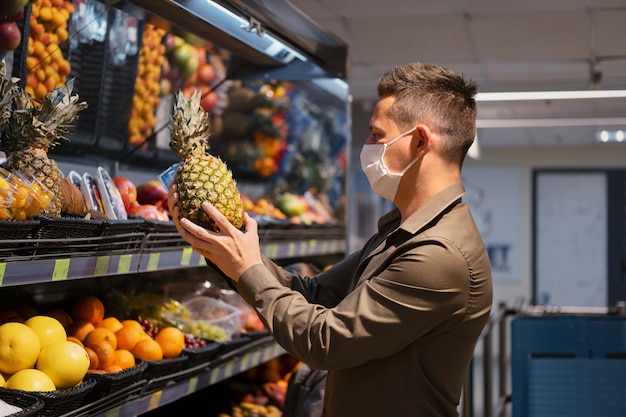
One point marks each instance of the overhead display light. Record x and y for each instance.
(610, 136)
(550, 95)
(246, 29)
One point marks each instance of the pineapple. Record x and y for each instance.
(201, 176)
(33, 129)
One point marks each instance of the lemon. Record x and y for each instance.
(65, 362)
(48, 329)
(30, 380)
(19, 347)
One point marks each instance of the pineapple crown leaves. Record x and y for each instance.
(8, 88)
(189, 126)
(57, 113)
(42, 126)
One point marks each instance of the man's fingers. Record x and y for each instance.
(220, 220)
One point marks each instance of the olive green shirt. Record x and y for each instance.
(396, 323)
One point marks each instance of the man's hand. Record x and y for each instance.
(230, 249)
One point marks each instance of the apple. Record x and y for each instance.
(10, 36)
(11, 7)
(206, 73)
(180, 54)
(127, 189)
(152, 192)
(291, 204)
(209, 101)
(148, 211)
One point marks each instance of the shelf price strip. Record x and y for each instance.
(185, 256)
(61, 269)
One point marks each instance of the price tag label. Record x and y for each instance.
(185, 258)
(155, 399)
(153, 261)
(61, 269)
(102, 265)
(124, 266)
(193, 384)
(3, 268)
(291, 249)
(114, 413)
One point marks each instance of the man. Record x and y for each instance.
(396, 323)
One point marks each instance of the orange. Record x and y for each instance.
(88, 308)
(113, 369)
(105, 353)
(101, 334)
(132, 323)
(171, 340)
(80, 329)
(124, 359)
(147, 350)
(93, 358)
(112, 323)
(61, 315)
(75, 340)
(128, 336)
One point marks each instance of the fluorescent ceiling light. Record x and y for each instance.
(247, 30)
(554, 122)
(550, 95)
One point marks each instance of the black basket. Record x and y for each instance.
(29, 404)
(157, 372)
(67, 235)
(161, 235)
(68, 227)
(61, 401)
(112, 383)
(201, 355)
(15, 238)
(123, 227)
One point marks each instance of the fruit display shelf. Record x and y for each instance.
(146, 395)
(102, 248)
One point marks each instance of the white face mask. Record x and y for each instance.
(383, 182)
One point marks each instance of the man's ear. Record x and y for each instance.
(422, 139)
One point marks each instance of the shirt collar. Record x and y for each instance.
(433, 208)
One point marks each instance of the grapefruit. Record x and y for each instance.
(48, 329)
(19, 347)
(30, 380)
(65, 362)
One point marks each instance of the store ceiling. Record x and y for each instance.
(504, 45)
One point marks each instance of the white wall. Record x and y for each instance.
(610, 156)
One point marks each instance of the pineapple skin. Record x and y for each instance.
(207, 178)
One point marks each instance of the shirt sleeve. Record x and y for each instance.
(423, 290)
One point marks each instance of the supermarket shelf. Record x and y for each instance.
(189, 381)
(79, 265)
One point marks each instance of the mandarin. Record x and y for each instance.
(105, 353)
(147, 350)
(80, 329)
(124, 359)
(171, 340)
(132, 323)
(101, 334)
(128, 336)
(93, 358)
(112, 323)
(88, 308)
